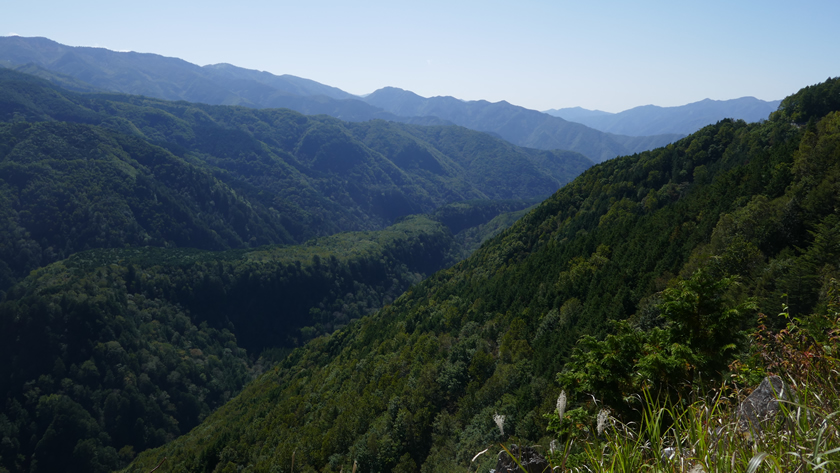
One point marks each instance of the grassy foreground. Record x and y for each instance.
(705, 435)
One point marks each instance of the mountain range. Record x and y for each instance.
(223, 84)
(644, 280)
(82, 171)
(518, 125)
(201, 287)
(685, 119)
(193, 207)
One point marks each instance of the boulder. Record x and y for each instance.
(762, 405)
(532, 461)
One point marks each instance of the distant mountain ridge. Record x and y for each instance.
(166, 78)
(169, 78)
(575, 114)
(518, 125)
(159, 76)
(684, 119)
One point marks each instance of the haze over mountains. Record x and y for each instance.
(685, 119)
(517, 124)
(83, 68)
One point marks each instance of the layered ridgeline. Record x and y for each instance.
(114, 351)
(518, 125)
(151, 75)
(121, 348)
(81, 171)
(157, 76)
(416, 385)
(684, 119)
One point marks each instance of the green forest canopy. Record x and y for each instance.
(82, 171)
(113, 351)
(415, 385)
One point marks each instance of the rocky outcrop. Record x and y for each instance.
(532, 461)
(762, 405)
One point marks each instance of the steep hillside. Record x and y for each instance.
(111, 352)
(416, 385)
(516, 124)
(652, 120)
(68, 187)
(81, 171)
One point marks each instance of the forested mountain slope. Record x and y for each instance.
(69, 187)
(114, 351)
(81, 171)
(124, 347)
(416, 385)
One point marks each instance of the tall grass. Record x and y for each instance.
(706, 435)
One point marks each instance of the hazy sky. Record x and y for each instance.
(539, 54)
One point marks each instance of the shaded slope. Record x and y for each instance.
(415, 385)
(61, 80)
(498, 169)
(69, 187)
(111, 352)
(82, 171)
(195, 127)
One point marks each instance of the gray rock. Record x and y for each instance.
(668, 454)
(532, 461)
(762, 405)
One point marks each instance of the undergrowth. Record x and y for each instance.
(705, 435)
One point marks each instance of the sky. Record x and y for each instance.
(605, 55)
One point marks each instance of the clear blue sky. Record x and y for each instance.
(539, 54)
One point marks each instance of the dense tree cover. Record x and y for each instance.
(472, 238)
(686, 242)
(114, 351)
(68, 187)
(475, 222)
(462, 216)
(81, 171)
(121, 348)
(813, 102)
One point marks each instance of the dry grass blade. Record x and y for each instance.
(158, 466)
(479, 454)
